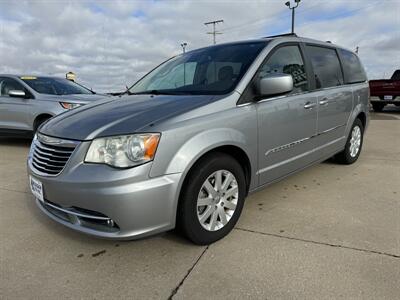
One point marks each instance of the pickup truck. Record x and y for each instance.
(386, 90)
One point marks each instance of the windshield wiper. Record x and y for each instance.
(155, 92)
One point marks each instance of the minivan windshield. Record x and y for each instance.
(210, 71)
(55, 86)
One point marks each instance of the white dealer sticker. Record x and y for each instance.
(36, 188)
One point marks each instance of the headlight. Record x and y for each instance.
(123, 151)
(69, 105)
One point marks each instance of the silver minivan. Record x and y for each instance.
(190, 140)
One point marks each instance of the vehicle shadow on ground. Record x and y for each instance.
(15, 142)
(390, 112)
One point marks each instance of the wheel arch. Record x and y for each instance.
(363, 118)
(180, 159)
(40, 117)
(219, 140)
(359, 112)
(232, 150)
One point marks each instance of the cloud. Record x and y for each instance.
(110, 44)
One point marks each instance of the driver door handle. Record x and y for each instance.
(324, 101)
(309, 105)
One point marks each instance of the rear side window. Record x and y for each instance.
(287, 60)
(352, 68)
(326, 65)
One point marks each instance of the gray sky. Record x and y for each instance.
(110, 44)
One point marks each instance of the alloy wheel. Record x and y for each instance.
(355, 141)
(217, 200)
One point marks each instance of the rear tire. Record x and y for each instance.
(378, 107)
(210, 207)
(353, 146)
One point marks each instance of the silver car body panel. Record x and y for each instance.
(19, 114)
(280, 136)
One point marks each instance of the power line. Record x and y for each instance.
(264, 19)
(214, 32)
(313, 8)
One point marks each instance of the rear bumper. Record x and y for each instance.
(380, 99)
(110, 203)
(386, 101)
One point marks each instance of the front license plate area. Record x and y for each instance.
(36, 188)
(387, 97)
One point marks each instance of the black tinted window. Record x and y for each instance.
(326, 67)
(352, 67)
(287, 60)
(54, 86)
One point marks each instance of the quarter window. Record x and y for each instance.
(352, 67)
(326, 65)
(287, 60)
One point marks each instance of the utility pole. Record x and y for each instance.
(214, 32)
(293, 9)
(183, 45)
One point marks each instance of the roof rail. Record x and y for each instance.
(280, 35)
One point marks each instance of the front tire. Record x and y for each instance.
(212, 199)
(353, 146)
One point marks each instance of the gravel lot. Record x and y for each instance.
(330, 231)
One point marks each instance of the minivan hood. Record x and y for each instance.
(117, 116)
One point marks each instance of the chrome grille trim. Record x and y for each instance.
(58, 162)
(40, 161)
(49, 155)
(44, 148)
(79, 217)
(78, 214)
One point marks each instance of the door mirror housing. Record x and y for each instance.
(275, 84)
(17, 94)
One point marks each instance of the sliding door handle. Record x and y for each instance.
(309, 105)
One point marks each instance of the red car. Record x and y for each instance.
(387, 90)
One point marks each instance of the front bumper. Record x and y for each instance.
(106, 202)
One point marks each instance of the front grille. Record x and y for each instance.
(50, 159)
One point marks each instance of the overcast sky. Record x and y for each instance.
(110, 44)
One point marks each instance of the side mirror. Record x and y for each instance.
(17, 94)
(275, 84)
